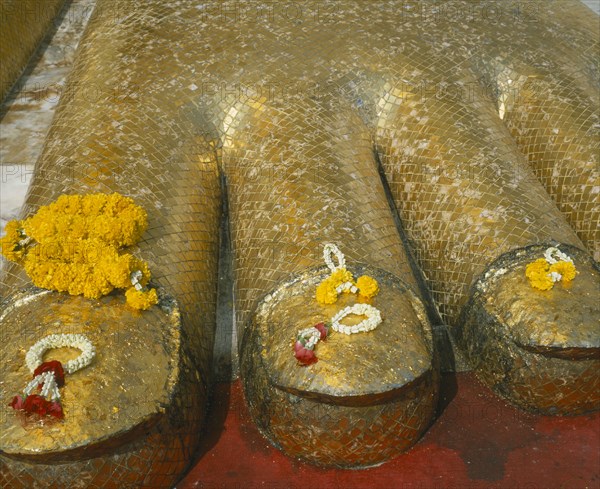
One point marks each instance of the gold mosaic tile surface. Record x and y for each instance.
(298, 104)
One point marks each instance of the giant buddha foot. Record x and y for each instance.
(327, 122)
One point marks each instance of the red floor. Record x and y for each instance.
(478, 441)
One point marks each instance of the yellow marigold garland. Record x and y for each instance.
(112, 218)
(544, 272)
(326, 292)
(74, 245)
(537, 273)
(141, 300)
(340, 276)
(11, 245)
(566, 269)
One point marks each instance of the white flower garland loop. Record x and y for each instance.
(550, 255)
(373, 319)
(552, 251)
(34, 357)
(136, 276)
(329, 250)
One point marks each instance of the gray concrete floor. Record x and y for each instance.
(593, 4)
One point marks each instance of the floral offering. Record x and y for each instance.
(75, 245)
(340, 280)
(556, 266)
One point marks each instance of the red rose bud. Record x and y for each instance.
(298, 345)
(322, 329)
(35, 404)
(306, 356)
(17, 402)
(52, 366)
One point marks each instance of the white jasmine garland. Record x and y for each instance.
(347, 286)
(312, 336)
(135, 280)
(373, 319)
(330, 285)
(555, 276)
(48, 383)
(312, 331)
(554, 255)
(551, 252)
(330, 249)
(34, 357)
(312, 341)
(47, 380)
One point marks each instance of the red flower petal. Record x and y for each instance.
(17, 402)
(306, 356)
(55, 409)
(322, 329)
(36, 404)
(52, 366)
